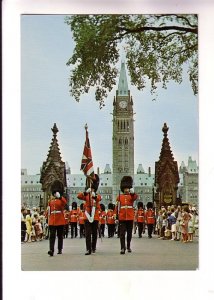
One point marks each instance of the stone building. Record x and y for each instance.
(190, 182)
(31, 190)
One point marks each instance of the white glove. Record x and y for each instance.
(88, 190)
(131, 191)
(93, 194)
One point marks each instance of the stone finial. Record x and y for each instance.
(165, 129)
(55, 129)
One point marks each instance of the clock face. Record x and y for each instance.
(123, 104)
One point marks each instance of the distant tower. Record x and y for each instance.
(53, 171)
(166, 174)
(123, 133)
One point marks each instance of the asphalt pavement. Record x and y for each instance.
(147, 254)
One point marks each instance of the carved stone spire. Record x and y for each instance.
(166, 173)
(166, 152)
(53, 169)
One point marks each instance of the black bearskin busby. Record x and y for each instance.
(81, 206)
(126, 182)
(93, 182)
(57, 186)
(102, 207)
(74, 205)
(140, 205)
(149, 205)
(111, 206)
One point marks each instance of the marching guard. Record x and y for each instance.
(56, 221)
(125, 212)
(102, 220)
(110, 220)
(92, 210)
(140, 217)
(150, 218)
(81, 219)
(73, 219)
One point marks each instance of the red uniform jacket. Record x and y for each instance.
(110, 216)
(89, 202)
(150, 216)
(56, 211)
(102, 218)
(125, 206)
(66, 215)
(81, 217)
(73, 216)
(140, 215)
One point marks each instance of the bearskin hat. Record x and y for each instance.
(81, 206)
(93, 182)
(57, 186)
(140, 205)
(74, 205)
(126, 182)
(102, 206)
(149, 205)
(110, 206)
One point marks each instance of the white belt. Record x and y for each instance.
(150, 217)
(126, 206)
(56, 212)
(140, 216)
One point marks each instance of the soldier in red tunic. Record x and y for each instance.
(150, 218)
(81, 220)
(125, 212)
(140, 218)
(56, 221)
(110, 220)
(92, 211)
(102, 220)
(73, 219)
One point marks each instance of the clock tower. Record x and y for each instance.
(123, 134)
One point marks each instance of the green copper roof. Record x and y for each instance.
(123, 84)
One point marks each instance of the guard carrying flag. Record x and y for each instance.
(91, 198)
(125, 211)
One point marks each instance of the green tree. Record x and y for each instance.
(157, 48)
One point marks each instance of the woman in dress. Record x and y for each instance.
(184, 224)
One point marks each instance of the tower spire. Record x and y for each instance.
(123, 83)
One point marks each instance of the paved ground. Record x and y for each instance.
(147, 254)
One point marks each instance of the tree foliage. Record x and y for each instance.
(157, 48)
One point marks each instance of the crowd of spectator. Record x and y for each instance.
(176, 223)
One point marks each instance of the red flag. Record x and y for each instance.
(87, 163)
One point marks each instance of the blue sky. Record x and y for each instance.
(46, 46)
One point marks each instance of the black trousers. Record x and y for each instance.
(125, 227)
(66, 228)
(140, 226)
(91, 230)
(53, 231)
(150, 229)
(73, 229)
(82, 230)
(111, 228)
(102, 229)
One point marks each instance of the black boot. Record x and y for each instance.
(50, 252)
(122, 251)
(88, 252)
